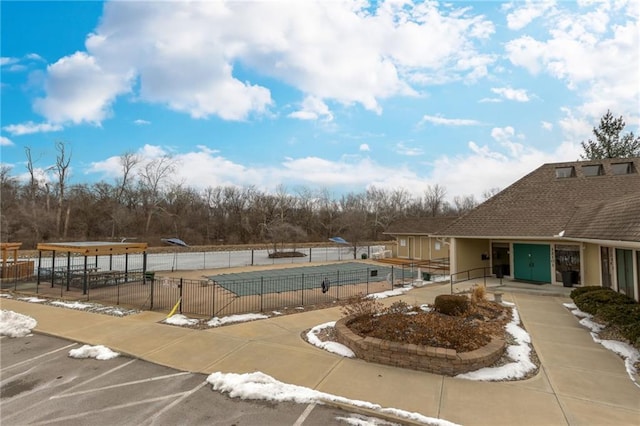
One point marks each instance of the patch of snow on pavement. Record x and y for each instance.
(630, 354)
(519, 353)
(263, 387)
(98, 352)
(7, 295)
(179, 319)
(360, 420)
(13, 324)
(333, 347)
(216, 322)
(32, 299)
(388, 293)
(72, 305)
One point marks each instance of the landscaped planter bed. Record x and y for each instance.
(418, 357)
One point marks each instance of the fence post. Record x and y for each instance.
(261, 293)
(84, 278)
(180, 291)
(39, 266)
(338, 286)
(302, 289)
(310, 253)
(213, 312)
(368, 274)
(53, 267)
(153, 283)
(392, 272)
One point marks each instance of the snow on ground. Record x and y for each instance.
(333, 347)
(630, 354)
(388, 293)
(216, 322)
(13, 324)
(519, 353)
(98, 352)
(72, 305)
(32, 299)
(90, 307)
(7, 295)
(179, 319)
(260, 386)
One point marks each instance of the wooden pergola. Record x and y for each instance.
(88, 249)
(8, 264)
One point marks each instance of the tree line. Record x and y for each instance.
(145, 203)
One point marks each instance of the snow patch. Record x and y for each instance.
(179, 319)
(32, 299)
(388, 293)
(520, 353)
(261, 386)
(333, 347)
(98, 352)
(13, 324)
(7, 295)
(72, 305)
(216, 322)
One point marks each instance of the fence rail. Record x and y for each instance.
(210, 298)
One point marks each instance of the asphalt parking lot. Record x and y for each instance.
(41, 384)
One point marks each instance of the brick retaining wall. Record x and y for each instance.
(418, 357)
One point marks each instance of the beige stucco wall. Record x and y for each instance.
(591, 265)
(420, 247)
(403, 250)
(469, 254)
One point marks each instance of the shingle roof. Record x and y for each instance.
(420, 225)
(618, 220)
(543, 205)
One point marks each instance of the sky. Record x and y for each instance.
(335, 95)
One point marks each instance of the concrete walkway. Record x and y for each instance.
(580, 382)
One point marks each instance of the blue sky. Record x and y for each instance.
(333, 95)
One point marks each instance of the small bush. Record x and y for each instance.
(581, 290)
(592, 301)
(361, 306)
(478, 293)
(451, 304)
(399, 307)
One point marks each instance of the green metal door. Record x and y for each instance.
(532, 262)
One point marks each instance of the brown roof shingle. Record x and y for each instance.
(420, 225)
(543, 205)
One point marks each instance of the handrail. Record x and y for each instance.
(484, 270)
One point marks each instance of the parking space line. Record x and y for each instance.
(26, 361)
(97, 377)
(174, 403)
(119, 385)
(111, 408)
(12, 378)
(304, 414)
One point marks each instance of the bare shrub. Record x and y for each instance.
(360, 306)
(478, 293)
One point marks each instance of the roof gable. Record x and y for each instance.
(542, 205)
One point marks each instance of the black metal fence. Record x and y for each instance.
(209, 298)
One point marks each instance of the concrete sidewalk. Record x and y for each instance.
(579, 383)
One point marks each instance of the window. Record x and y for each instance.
(565, 172)
(622, 168)
(592, 170)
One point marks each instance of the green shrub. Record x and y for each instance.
(592, 301)
(581, 290)
(619, 314)
(632, 332)
(451, 304)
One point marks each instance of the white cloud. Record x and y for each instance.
(439, 120)
(593, 50)
(141, 122)
(313, 108)
(30, 127)
(526, 12)
(5, 60)
(546, 125)
(519, 95)
(183, 55)
(490, 100)
(402, 149)
(80, 90)
(5, 141)
(364, 147)
(504, 136)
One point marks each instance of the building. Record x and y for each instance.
(564, 224)
(415, 238)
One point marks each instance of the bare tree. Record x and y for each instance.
(434, 199)
(154, 175)
(464, 204)
(61, 168)
(490, 193)
(128, 162)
